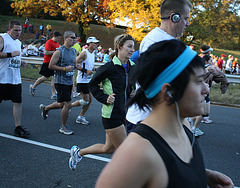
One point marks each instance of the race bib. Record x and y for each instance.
(15, 62)
(70, 73)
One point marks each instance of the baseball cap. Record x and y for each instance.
(223, 55)
(92, 39)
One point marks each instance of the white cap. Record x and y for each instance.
(92, 39)
(209, 49)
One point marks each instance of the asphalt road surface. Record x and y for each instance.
(42, 160)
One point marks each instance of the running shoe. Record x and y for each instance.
(31, 90)
(82, 120)
(197, 132)
(44, 113)
(54, 97)
(206, 120)
(75, 94)
(65, 130)
(21, 132)
(75, 157)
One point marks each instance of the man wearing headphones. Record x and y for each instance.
(174, 20)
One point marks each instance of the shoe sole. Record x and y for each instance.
(66, 133)
(70, 163)
(82, 123)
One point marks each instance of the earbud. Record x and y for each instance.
(175, 17)
(169, 94)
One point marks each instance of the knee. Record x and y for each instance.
(83, 102)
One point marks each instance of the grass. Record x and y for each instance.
(231, 97)
(104, 34)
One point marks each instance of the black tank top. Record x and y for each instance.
(180, 174)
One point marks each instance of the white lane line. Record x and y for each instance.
(52, 147)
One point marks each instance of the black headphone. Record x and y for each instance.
(175, 17)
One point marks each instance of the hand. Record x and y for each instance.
(15, 53)
(69, 68)
(89, 72)
(111, 99)
(218, 180)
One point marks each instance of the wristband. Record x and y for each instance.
(9, 54)
(84, 70)
(64, 68)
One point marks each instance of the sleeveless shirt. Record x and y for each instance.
(68, 57)
(10, 67)
(89, 64)
(180, 173)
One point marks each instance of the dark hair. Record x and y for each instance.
(154, 61)
(120, 40)
(14, 22)
(206, 57)
(174, 6)
(57, 34)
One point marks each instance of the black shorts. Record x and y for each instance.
(45, 71)
(63, 92)
(11, 92)
(112, 123)
(83, 88)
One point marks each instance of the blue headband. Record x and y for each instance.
(170, 73)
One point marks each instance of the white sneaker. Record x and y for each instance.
(197, 132)
(206, 120)
(75, 94)
(74, 157)
(82, 120)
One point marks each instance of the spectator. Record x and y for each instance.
(228, 68)
(235, 66)
(30, 26)
(37, 35)
(49, 29)
(41, 50)
(32, 50)
(25, 26)
(41, 28)
(105, 57)
(220, 62)
(27, 20)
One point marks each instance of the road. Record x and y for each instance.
(42, 160)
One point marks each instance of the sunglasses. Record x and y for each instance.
(73, 37)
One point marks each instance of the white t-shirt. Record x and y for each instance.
(134, 114)
(89, 64)
(10, 67)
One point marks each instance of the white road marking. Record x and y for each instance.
(51, 147)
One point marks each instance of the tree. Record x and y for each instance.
(80, 11)
(213, 21)
(216, 23)
(141, 15)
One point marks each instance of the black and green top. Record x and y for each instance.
(114, 79)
